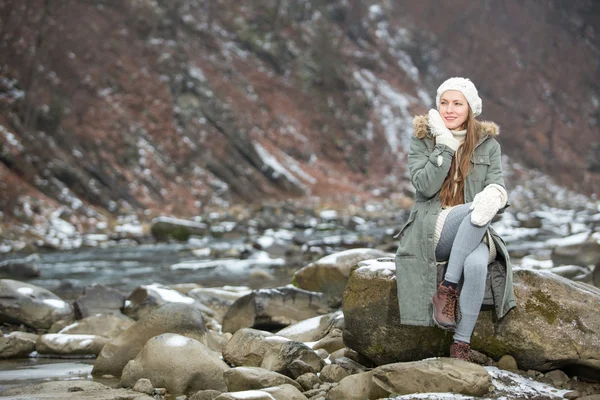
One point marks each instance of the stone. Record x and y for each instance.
(308, 381)
(17, 344)
(98, 299)
(70, 345)
(267, 309)
(351, 366)
(582, 254)
(251, 378)
(144, 385)
(177, 318)
(332, 342)
(313, 329)
(427, 376)
(551, 314)
(282, 392)
(178, 363)
(205, 395)
(557, 377)
(166, 228)
(333, 373)
(217, 299)
(20, 268)
(36, 307)
(254, 348)
(329, 275)
(107, 325)
(508, 363)
(145, 298)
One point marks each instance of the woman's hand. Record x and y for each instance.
(487, 203)
(440, 132)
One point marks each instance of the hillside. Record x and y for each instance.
(117, 107)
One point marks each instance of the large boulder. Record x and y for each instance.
(583, 254)
(36, 307)
(555, 323)
(273, 308)
(17, 344)
(427, 376)
(145, 298)
(70, 345)
(106, 325)
(254, 348)
(99, 299)
(180, 364)
(329, 275)
(179, 318)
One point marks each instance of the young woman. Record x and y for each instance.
(455, 167)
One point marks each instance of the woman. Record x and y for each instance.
(455, 167)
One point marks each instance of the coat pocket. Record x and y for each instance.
(480, 164)
(406, 245)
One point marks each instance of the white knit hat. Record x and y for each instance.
(466, 87)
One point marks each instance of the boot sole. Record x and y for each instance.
(445, 328)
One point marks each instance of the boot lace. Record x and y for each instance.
(451, 309)
(462, 351)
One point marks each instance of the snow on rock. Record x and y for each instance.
(168, 295)
(178, 341)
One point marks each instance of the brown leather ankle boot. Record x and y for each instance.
(461, 350)
(444, 308)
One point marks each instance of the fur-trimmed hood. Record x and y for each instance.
(421, 126)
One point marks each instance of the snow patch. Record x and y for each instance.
(25, 290)
(178, 341)
(55, 303)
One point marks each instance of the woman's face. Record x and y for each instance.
(454, 109)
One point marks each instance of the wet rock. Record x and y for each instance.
(180, 364)
(22, 268)
(107, 325)
(329, 275)
(551, 314)
(254, 348)
(98, 299)
(313, 329)
(144, 385)
(282, 392)
(270, 309)
(145, 298)
(251, 378)
(72, 390)
(36, 307)
(164, 229)
(427, 376)
(582, 254)
(17, 344)
(178, 318)
(70, 345)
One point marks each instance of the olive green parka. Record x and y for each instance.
(417, 272)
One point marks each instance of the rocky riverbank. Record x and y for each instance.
(301, 342)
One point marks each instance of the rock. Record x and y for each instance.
(71, 390)
(572, 395)
(250, 378)
(308, 381)
(313, 329)
(145, 298)
(107, 325)
(98, 299)
(427, 376)
(70, 345)
(178, 318)
(572, 272)
(17, 344)
(557, 377)
(22, 268)
(166, 228)
(350, 354)
(282, 392)
(329, 275)
(143, 385)
(508, 363)
(259, 278)
(180, 364)
(217, 299)
(273, 308)
(206, 395)
(582, 254)
(23, 303)
(333, 373)
(332, 342)
(254, 348)
(596, 275)
(351, 366)
(551, 314)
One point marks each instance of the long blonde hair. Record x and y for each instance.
(453, 188)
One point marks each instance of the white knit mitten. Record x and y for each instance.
(487, 203)
(439, 130)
